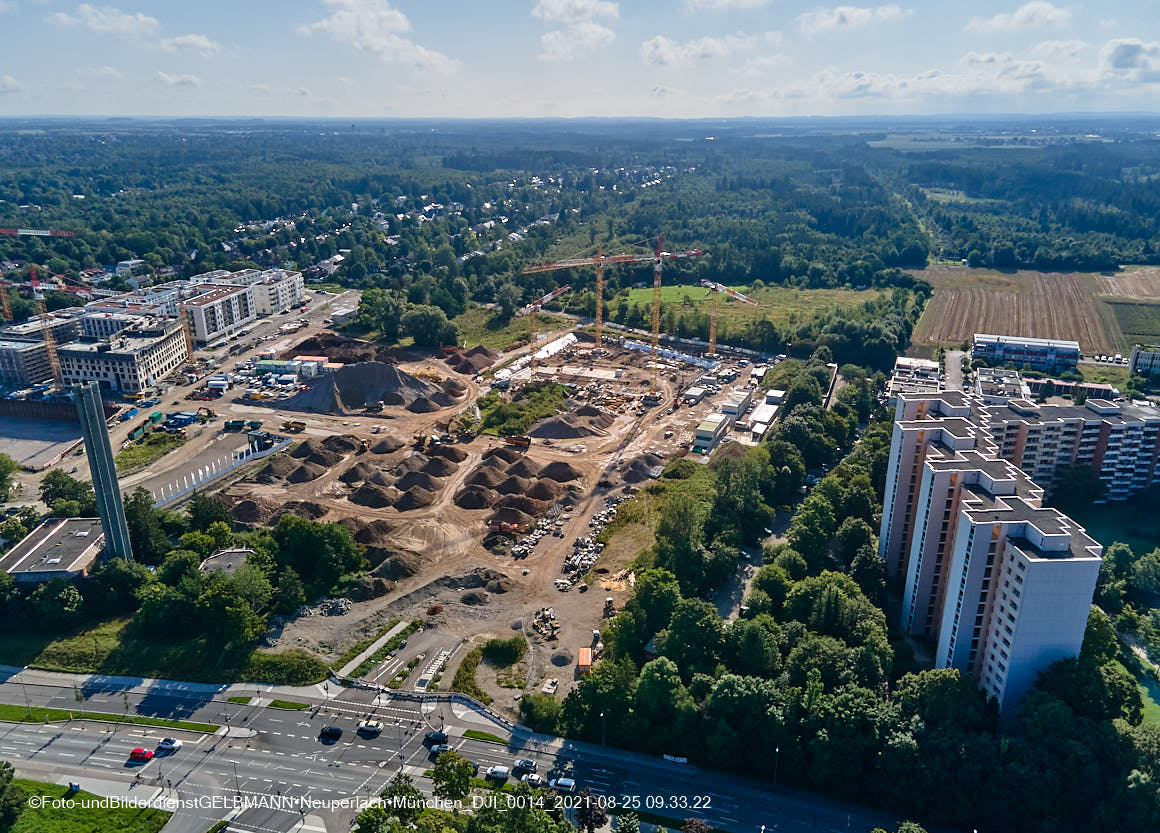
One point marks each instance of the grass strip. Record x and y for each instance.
(385, 649)
(464, 680)
(487, 737)
(400, 678)
(241, 701)
(360, 646)
(81, 818)
(289, 705)
(38, 714)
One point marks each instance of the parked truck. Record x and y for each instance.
(235, 425)
(519, 442)
(294, 427)
(156, 417)
(128, 415)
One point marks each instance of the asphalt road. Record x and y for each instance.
(276, 756)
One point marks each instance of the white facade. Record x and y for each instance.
(104, 324)
(217, 311)
(1145, 359)
(278, 291)
(130, 362)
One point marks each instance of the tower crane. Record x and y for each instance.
(46, 325)
(535, 306)
(717, 289)
(600, 261)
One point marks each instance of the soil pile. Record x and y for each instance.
(503, 452)
(474, 598)
(423, 405)
(638, 470)
(525, 504)
(524, 468)
(399, 565)
(336, 348)
(440, 467)
(419, 479)
(514, 485)
(562, 659)
(476, 497)
(303, 509)
(358, 473)
(368, 588)
(276, 470)
(586, 421)
(450, 452)
(415, 497)
(325, 458)
(252, 512)
(455, 387)
(369, 533)
(511, 515)
(546, 489)
(413, 463)
(561, 472)
(352, 387)
(485, 476)
(469, 362)
(342, 443)
(387, 445)
(500, 585)
(306, 472)
(374, 496)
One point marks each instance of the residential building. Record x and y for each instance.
(217, 311)
(913, 376)
(23, 363)
(130, 361)
(104, 324)
(998, 386)
(710, 432)
(1069, 389)
(128, 267)
(58, 548)
(1037, 353)
(1001, 584)
(63, 324)
(275, 290)
(1145, 359)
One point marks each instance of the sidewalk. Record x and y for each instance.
(374, 646)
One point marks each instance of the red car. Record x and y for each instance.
(140, 754)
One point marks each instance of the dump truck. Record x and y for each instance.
(253, 425)
(235, 425)
(294, 427)
(128, 415)
(519, 442)
(156, 417)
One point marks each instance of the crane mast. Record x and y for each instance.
(535, 306)
(717, 289)
(46, 325)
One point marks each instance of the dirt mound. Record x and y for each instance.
(546, 490)
(511, 515)
(374, 496)
(352, 387)
(304, 509)
(525, 504)
(399, 565)
(368, 588)
(359, 473)
(638, 469)
(415, 498)
(561, 472)
(449, 452)
(325, 458)
(589, 411)
(503, 452)
(336, 348)
(440, 467)
(306, 472)
(480, 350)
(476, 497)
(252, 512)
(562, 659)
(470, 362)
(419, 479)
(501, 585)
(387, 445)
(474, 598)
(371, 533)
(524, 468)
(276, 470)
(485, 476)
(455, 387)
(423, 405)
(306, 448)
(342, 443)
(586, 421)
(514, 485)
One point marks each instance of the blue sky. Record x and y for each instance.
(678, 58)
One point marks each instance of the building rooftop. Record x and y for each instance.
(64, 545)
(212, 293)
(1048, 533)
(128, 342)
(984, 338)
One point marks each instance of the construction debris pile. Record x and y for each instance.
(356, 387)
(586, 550)
(514, 486)
(470, 362)
(585, 421)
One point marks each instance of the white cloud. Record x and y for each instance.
(665, 52)
(821, 21)
(1059, 50)
(374, 26)
(192, 43)
(178, 80)
(762, 64)
(1035, 15)
(574, 11)
(1131, 60)
(8, 84)
(561, 45)
(99, 73)
(107, 20)
(727, 4)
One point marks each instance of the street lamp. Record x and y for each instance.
(602, 730)
(24, 688)
(776, 756)
(237, 787)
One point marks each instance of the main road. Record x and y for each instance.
(265, 756)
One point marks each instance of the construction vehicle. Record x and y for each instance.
(535, 306)
(609, 608)
(505, 526)
(205, 414)
(519, 442)
(419, 441)
(253, 425)
(294, 427)
(600, 261)
(234, 425)
(363, 446)
(717, 289)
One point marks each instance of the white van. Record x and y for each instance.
(497, 773)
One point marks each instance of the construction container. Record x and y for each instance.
(584, 661)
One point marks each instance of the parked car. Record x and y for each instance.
(532, 779)
(525, 765)
(370, 728)
(563, 785)
(435, 737)
(169, 745)
(497, 773)
(439, 748)
(140, 754)
(330, 734)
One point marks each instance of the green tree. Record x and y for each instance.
(694, 637)
(205, 510)
(57, 487)
(1100, 642)
(8, 467)
(590, 811)
(290, 594)
(12, 798)
(148, 539)
(452, 777)
(402, 799)
(428, 326)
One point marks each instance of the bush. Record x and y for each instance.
(541, 712)
(464, 681)
(291, 667)
(503, 652)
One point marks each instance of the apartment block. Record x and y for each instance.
(1001, 584)
(998, 386)
(23, 363)
(63, 324)
(216, 311)
(1038, 353)
(912, 376)
(1145, 359)
(275, 290)
(98, 325)
(130, 361)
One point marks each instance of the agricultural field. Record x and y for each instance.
(1105, 313)
(778, 304)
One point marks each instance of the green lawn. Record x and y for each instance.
(779, 304)
(360, 646)
(1149, 688)
(116, 647)
(1139, 321)
(480, 325)
(240, 701)
(82, 819)
(22, 714)
(386, 648)
(289, 705)
(1134, 522)
(152, 448)
(486, 737)
(1105, 374)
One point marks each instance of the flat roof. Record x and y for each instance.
(58, 545)
(1029, 342)
(211, 293)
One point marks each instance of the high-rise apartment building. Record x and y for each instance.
(1000, 583)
